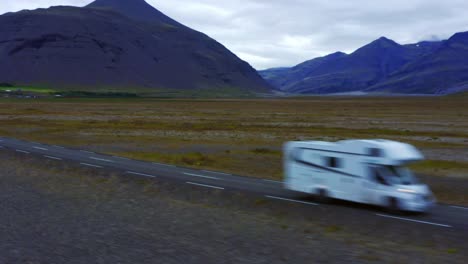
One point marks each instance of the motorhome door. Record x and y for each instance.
(372, 185)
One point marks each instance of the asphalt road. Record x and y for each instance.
(441, 218)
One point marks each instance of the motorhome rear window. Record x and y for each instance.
(333, 162)
(375, 152)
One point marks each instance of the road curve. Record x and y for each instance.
(441, 218)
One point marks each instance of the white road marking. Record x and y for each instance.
(413, 220)
(141, 174)
(58, 146)
(161, 164)
(459, 207)
(99, 159)
(40, 148)
(290, 200)
(22, 151)
(222, 173)
(201, 176)
(54, 158)
(91, 165)
(273, 181)
(204, 185)
(85, 151)
(117, 157)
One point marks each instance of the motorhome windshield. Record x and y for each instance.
(397, 175)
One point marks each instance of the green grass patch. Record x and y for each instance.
(192, 159)
(265, 151)
(332, 229)
(97, 94)
(452, 251)
(439, 165)
(442, 168)
(28, 89)
(202, 93)
(132, 92)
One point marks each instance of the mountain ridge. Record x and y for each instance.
(136, 9)
(445, 69)
(383, 66)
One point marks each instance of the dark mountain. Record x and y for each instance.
(135, 9)
(445, 70)
(338, 72)
(287, 78)
(115, 44)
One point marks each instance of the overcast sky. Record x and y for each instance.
(272, 33)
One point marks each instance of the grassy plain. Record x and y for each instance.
(242, 136)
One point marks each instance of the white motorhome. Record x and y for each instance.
(363, 171)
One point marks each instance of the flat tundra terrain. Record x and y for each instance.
(246, 136)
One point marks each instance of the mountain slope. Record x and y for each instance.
(135, 9)
(288, 79)
(443, 71)
(98, 48)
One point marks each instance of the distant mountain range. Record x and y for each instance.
(116, 45)
(382, 66)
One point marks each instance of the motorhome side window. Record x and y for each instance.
(375, 152)
(333, 162)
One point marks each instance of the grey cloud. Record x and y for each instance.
(271, 33)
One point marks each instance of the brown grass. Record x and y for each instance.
(242, 136)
